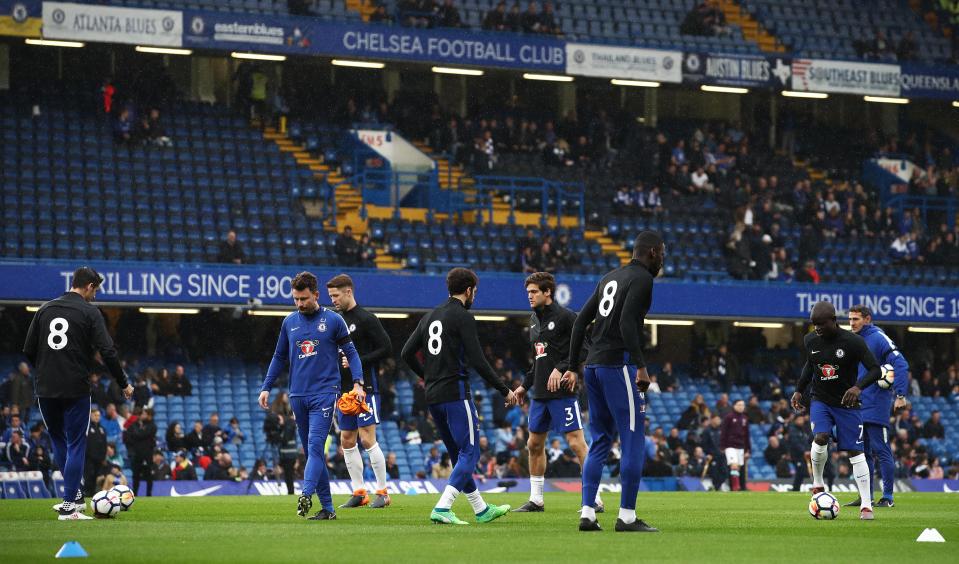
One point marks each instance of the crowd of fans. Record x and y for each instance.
(882, 49)
(478, 141)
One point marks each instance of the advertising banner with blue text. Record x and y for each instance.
(111, 24)
(132, 283)
(311, 36)
(845, 77)
(610, 61)
(924, 81)
(736, 70)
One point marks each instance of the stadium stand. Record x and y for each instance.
(219, 175)
(843, 29)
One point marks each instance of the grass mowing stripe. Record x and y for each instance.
(705, 527)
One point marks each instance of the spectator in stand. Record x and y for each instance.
(40, 462)
(212, 430)
(111, 423)
(566, 466)
(697, 409)
(531, 22)
(367, 252)
(443, 468)
(346, 248)
(160, 468)
(195, 440)
(547, 20)
(151, 131)
(380, 15)
(107, 92)
(417, 13)
(39, 437)
(179, 384)
(15, 427)
(175, 439)
(141, 442)
(17, 452)
(495, 19)
(221, 469)
(754, 411)
(392, 469)
(230, 250)
(774, 452)
(933, 428)
(514, 19)
(182, 467)
(234, 435)
(799, 438)
(808, 274)
(20, 391)
(448, 15)
(96, 453)
(123, 128)
(142, 395)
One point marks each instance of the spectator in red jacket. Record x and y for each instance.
(734, 439)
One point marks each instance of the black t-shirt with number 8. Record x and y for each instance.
(619, 307)
(61, 341)
(450, 344)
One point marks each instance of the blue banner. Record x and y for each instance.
(239, 285)
(312, 36)
(736, 70)
(924, 81)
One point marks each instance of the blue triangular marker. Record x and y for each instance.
(72, 549)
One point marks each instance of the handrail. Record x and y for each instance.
(547, 189)
(902, 202)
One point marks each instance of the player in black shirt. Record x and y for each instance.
(61, 341)
(448, 336)
(616, 378)
(553, 405)
(833, 356)
(373, 345)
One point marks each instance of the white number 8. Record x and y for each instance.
(57, 339)
(609, 292)
(435, 344)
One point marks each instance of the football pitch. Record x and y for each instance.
(700, 527)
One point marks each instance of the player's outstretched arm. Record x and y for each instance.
(413, 346)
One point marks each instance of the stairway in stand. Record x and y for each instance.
(753, 31)
(348, 198)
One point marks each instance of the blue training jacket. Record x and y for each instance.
(310, 344)
(876, 402)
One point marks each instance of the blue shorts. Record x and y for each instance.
(560, 415)
(848, 424)
(353, 422)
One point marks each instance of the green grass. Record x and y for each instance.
(702, 527)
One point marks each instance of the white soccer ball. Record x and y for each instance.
(106, 504)
(126, 496)
(824, 506)
(887, 377)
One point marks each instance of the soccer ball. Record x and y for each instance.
(824, 506)
(106, 504)
(887, 378)
(126, 496)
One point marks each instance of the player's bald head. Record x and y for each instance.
(823, 318)
(822, 311)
